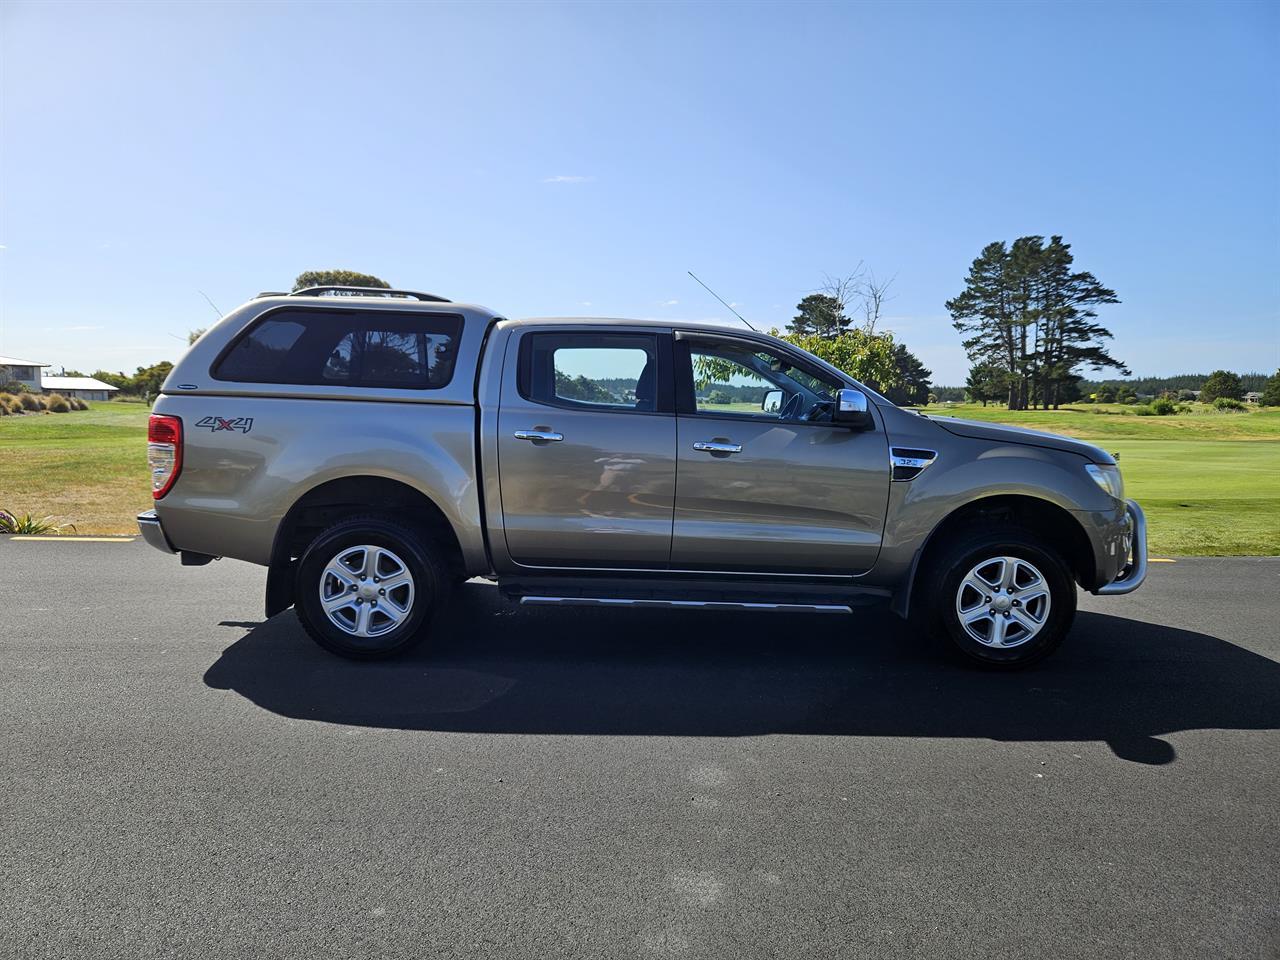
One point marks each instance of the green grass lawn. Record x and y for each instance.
(88, 467)
(1209, 482)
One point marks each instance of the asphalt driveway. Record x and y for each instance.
(181, 778)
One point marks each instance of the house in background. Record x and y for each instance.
(26, 372)
(1253, 396)
(86, 388)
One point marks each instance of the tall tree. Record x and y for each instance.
(1026, 311)
(1221, 383)
(1271, 391)
(337, 278)
(819, 314)
(986, 382)
(913, 384)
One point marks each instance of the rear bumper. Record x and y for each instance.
(1134, 571)
(153, 533)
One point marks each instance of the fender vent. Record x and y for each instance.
(909, 462)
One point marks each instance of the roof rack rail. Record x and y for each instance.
(367, 291)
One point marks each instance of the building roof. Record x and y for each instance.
(15, 362)
(54, 384)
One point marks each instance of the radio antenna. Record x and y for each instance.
(721, 299)
(211, 303)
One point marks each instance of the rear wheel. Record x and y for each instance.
(1004, 599)
(368, 587)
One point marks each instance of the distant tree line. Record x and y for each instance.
(1154, 386)
(1220, 383)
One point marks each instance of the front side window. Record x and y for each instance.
(612, 370)
(743, 378)
(363, 348)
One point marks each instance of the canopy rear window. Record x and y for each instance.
(329, 347)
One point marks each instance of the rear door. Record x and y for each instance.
(766, 482)
(587, 447)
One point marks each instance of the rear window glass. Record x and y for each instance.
(366, 348)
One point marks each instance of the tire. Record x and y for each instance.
(352, 561)
(1024, 611)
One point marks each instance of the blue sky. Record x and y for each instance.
(578, 159)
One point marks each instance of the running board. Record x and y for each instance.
(545, 601)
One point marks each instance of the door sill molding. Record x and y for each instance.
(755, 607)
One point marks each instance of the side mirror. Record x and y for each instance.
(772, 401)
(851, 409)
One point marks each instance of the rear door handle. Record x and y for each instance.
(717, 446)
(544, 435)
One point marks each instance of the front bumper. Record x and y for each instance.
(153, 533)
(1134, 571)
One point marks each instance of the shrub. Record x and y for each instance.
(77, 403)
(31, 525)
(1163, 407)
(13, 386)
(15, 405)
(29, 401)
(1146, 410)
(57, 403)
(4, 407)
(1228, 403)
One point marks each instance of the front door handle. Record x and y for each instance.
(717, 446)
(547, 436)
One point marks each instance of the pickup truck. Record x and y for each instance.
(374, 448)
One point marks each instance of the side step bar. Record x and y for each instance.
(547, 601)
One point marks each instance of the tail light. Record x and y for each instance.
(164, 452)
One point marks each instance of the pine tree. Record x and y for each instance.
(821, 315)
(1025, 311)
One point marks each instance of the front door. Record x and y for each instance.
(766, 483)
(586, 450)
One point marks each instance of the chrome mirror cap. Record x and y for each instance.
(852, 409)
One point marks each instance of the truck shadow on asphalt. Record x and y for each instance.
(490, 667)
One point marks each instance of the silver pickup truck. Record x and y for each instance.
(374, 448)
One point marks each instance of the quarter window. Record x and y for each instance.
(364, 348)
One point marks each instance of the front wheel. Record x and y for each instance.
(368, 587)
(1003, 599)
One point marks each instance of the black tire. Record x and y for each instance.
(431, 581)
(967, 550)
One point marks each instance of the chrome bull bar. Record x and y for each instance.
(1135, 570)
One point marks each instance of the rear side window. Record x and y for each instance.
(617, 371)
(363, 348)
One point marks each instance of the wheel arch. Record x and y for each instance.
(328, 502)
(1062, 531)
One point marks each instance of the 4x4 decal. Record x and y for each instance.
(243, 424)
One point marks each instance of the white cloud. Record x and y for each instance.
(585, 303)
(668, 303)
(565, 178)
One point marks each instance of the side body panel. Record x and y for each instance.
(236, 485)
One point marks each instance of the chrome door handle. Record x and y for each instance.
(546, 435)
(717, 446)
